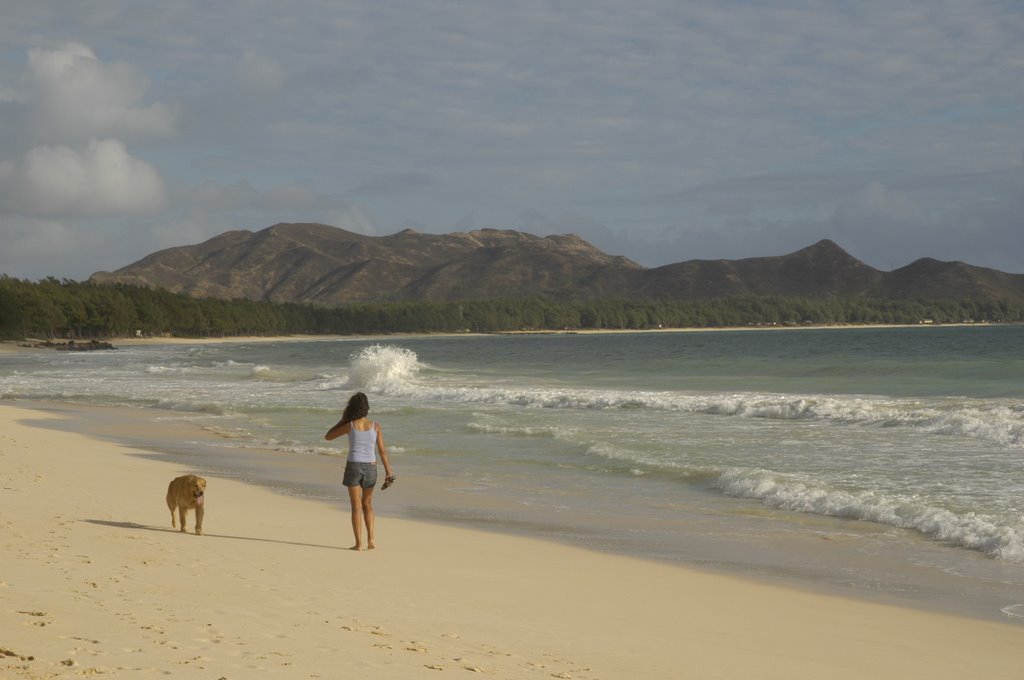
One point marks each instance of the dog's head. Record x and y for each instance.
(198, 489)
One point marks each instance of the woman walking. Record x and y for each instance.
(365, 442)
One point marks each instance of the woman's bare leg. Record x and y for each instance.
(355, 497)
(368, 517)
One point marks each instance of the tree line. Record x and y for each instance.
(66, 309)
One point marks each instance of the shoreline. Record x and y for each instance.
(826, 555)
(19, 345)
(270, 588)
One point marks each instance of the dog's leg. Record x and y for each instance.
(199, 520)
(182, 510)
(172, 506)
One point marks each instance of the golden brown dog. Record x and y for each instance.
(186, 493)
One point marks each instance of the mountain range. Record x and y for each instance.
(321, 264)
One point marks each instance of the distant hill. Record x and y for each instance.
(325, 265)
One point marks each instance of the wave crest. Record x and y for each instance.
(968, 530)
(383, 368)
(393, 370)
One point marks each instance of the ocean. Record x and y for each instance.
(886, 463)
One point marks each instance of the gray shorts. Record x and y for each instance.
(360, 474)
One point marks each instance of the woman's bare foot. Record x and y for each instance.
(371, 546)
(356, 547)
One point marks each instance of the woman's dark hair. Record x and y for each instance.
(358, 406)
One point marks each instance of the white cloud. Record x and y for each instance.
(76, 96)
(104, 179)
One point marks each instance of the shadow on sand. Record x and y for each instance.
(134, 525)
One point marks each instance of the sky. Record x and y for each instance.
(662, 130)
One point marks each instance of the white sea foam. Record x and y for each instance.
(513, 431)
(969, 530)
(167, 370)
(1014, 611)
(328, 383)
(265, 373)
(1000, 425)
(383, 368)
(395, 371)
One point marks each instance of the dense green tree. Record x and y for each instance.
(71, 310)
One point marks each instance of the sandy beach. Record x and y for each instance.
(11, 346)
(95, 582)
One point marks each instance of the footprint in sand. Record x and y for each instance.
(41, 624)
(15, 655)
(468, 666)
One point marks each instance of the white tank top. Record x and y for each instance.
(362, 445)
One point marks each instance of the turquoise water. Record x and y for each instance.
(716, 447)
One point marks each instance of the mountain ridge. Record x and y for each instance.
(321, 264)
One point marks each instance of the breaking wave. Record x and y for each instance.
(989, 535)
(395, 371)
(383, 368)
